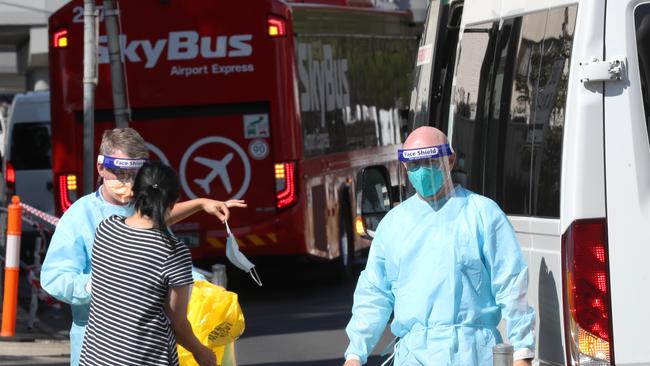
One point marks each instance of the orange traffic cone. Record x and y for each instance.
(12, 268)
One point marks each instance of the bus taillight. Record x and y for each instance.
(277, 26)
(60, 39)
(587, 304)
(285, 184)
(67, 191)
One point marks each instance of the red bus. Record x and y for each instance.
(278, 103)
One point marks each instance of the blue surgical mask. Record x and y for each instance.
(238, 258)
(426, 181)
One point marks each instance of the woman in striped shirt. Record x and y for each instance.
(141, 283)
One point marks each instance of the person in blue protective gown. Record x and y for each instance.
(447, 265)
(65, 273)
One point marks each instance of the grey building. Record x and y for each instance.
(24, 44)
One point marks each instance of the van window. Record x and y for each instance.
(30, 146)
(474, 65)
(420, 108)
(642, 22)
(511, 178)
(548, 122)
(510, 147)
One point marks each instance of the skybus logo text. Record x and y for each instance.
(182, 45)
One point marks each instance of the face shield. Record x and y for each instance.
(427, 170)
(119, 176)
(122, 169)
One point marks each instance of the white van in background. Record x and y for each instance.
(27, 154)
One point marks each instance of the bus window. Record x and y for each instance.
(642, 22)
(360, 91)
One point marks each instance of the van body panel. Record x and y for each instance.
(583, 171)
(480, 11)
(628, 191)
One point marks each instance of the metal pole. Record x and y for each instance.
(90, 82)
(120, 108)
(219, 276)
(502, 355)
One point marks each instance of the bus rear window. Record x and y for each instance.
(30, 146)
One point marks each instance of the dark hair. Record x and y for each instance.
(155, 190)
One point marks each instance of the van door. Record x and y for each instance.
(627, 164)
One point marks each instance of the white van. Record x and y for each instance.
(547, 105)
(28, 157)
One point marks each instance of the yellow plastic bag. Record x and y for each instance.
(216, 319)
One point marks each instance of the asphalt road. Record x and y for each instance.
(297, 318)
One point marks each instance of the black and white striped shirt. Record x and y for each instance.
(132, 271)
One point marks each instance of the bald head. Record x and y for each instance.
(424, 137)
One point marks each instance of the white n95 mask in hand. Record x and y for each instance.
(238, 258)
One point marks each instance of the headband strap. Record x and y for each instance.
(431, 152)
(120, 163)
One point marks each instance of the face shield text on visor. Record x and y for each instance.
(122, 174)
(428, 170)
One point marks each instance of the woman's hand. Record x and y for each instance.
(219, 208)
(205, 357)
(176, 310)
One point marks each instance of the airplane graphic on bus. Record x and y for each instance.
(219, 169)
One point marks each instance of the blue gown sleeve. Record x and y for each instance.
(66, 268)
(509, 274)
(373, 304)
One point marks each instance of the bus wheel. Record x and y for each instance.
(346, 245)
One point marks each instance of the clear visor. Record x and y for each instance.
(426, 172)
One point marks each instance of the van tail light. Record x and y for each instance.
(285, 184)
(587, 305)
(277, 26)
(11, 177)
(67, 191)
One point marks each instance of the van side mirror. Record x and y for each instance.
(374, 195)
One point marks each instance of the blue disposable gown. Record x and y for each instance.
(66, 268)
(449, 276)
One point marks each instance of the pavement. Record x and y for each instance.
(46, 343)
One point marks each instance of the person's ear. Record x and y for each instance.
(100, 169)
(452, 161)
